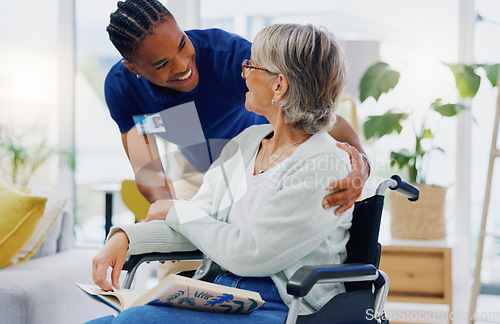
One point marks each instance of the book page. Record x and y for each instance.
(119, 299)
(128, 296)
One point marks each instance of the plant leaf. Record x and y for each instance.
(466, 79)
(491, 73)
(378, 126)
(427, 134)
(449, 110)
(439, 149)
(378, 79)
(401, 158)
(404, 159)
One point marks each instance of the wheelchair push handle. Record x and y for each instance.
(403, 188)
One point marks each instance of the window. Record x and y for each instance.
(29, 78)
(100, 154)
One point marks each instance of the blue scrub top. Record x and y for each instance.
(201, 121)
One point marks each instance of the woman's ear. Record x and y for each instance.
(280, 87)
(131, 67)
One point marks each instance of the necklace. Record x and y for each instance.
(261, 170)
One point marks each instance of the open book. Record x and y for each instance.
(181, 292)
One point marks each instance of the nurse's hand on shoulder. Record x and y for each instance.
(348, 190)
(160, 209)
(113, 255)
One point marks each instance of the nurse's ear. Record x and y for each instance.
(131, 67)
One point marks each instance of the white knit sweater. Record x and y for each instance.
(291, 229)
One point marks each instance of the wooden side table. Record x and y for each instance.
(418, 272)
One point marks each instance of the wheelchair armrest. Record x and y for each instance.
(306, 277)
(134, 261)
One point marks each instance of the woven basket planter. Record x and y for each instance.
(423, 219)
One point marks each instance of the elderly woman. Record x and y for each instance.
(258, 217)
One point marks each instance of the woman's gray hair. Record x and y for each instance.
(314, 65)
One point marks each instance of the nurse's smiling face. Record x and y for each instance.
(166, 58)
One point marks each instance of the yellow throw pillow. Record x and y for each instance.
(53, 209)
(19, 217)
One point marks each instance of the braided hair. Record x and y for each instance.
(132, 22)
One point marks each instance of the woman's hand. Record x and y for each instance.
(113, 255)
(348, 190)
(159, 209)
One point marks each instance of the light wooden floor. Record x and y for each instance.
(488, 307)
(488, 311)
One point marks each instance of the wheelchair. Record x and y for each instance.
(366, 286)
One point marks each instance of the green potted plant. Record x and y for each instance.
(19, 161)
(378, 80)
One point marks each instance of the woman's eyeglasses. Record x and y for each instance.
(246, 66)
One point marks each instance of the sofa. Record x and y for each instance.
(40, 288)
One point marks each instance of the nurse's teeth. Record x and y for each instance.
(187, 75)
